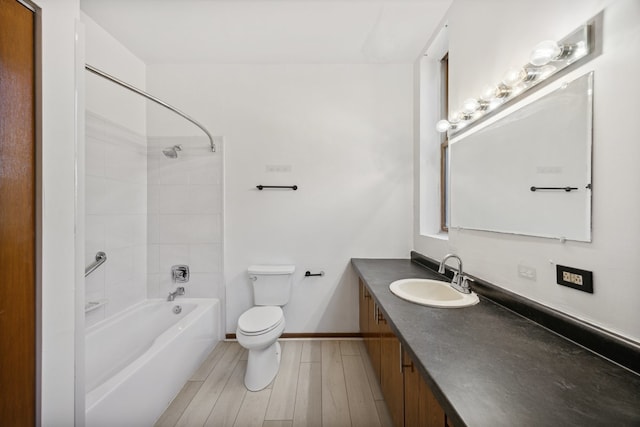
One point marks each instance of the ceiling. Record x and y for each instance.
(270, 31)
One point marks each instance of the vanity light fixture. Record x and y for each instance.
(547, 58)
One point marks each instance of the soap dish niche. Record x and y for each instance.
(92, 305)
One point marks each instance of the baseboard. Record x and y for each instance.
(311, 335)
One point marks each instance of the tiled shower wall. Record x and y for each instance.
(185, 216)
(149, 212)
(116, 215)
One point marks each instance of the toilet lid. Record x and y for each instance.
(260, 319)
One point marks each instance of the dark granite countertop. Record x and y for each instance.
(491, 367)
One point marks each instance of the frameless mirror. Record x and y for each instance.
(529, 173)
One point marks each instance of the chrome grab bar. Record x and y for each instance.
(101, 258)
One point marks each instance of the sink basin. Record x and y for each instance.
(433, 293)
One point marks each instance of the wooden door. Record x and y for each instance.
(17, 215)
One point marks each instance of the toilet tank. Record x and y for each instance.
(271, 283)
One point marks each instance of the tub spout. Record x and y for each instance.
(172, 295)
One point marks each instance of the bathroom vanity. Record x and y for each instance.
(482, 365)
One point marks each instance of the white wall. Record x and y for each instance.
(115, 176)
(345, 130)
(105, 98)
(480, 51)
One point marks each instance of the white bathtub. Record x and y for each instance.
(138, 360)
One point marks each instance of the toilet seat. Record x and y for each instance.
(260, 320)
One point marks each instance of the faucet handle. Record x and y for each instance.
(180, 290)
(465, 282)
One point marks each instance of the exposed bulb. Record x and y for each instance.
(544, 52)
(470, 106)
(443, 125)
(455, 117)
(514, 76)
(488, 93)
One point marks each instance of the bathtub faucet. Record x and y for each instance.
(173, 295)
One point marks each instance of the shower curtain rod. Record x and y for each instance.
(151, 98)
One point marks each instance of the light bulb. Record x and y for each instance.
(502, 91)
(455, 117)
(443, 125)
(488, 93)
(544, 52)
(470, 106)
(513, 76)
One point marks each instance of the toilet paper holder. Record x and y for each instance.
(309, 274)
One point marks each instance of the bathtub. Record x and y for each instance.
(138, 360)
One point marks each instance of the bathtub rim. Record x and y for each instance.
(95, 396)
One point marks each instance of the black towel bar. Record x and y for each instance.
(292, 187)
(567, 189)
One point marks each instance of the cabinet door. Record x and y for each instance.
(363, 309)
(412, 399)
(391, 377)
(373, 340)
(369, 327)
(431, 413)
(421, 408)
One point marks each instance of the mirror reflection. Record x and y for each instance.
(529, 173)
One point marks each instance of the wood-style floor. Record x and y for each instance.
(320, 383)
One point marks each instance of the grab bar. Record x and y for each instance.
(101, 258)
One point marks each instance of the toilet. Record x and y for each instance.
(260, 327)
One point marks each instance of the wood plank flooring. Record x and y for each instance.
(320, 383)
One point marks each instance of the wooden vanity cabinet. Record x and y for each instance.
(370, 327)
(421, 409)
(408, 397)
(391, 375)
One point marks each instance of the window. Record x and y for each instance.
(433, 159)
(444, 145)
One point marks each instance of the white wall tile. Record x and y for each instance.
(153, 259)
(125, 230)
(94, 157)
(119, 267)
(189, 229)
(171, 255)
(126, 163)
(153, 229)
(189, 199)
(95, 195)
(205, 258)
(153, 286)
(153, 194)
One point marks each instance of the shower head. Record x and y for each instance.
(172, 152)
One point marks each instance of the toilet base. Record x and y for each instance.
(262, 367)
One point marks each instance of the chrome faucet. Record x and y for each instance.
(177, 292)
(460, 281)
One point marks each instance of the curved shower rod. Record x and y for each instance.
(151, 98)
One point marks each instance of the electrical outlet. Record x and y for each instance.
(574, 278)
(527, 272)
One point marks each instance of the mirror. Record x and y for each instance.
(529, 173)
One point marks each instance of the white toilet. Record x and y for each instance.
(260, 327)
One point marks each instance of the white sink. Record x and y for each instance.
(433, 293)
